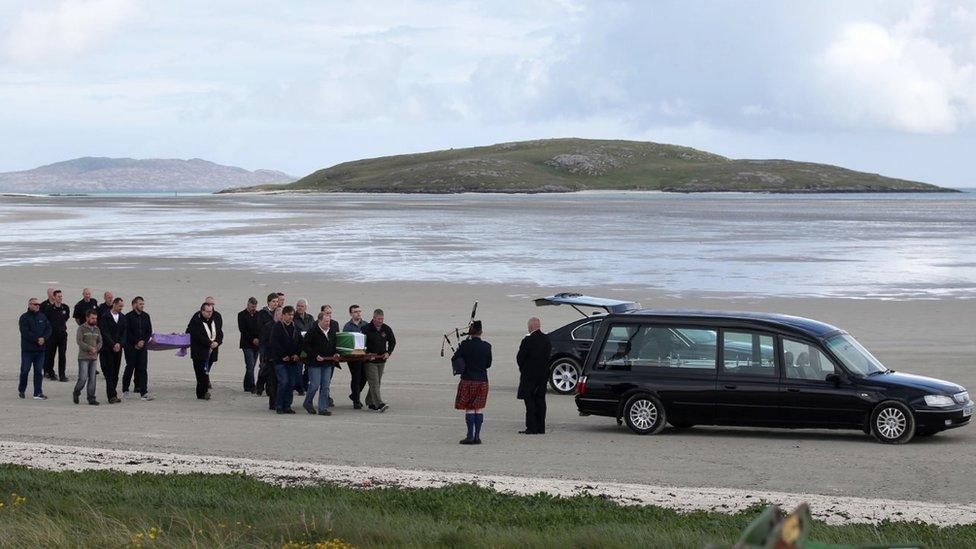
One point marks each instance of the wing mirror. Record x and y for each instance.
(833, 378)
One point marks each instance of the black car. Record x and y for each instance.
(649, 368)
(571, 342)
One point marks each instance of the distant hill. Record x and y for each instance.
(561, 165)
(92, 174)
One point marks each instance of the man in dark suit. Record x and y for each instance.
(533, 363)
(138, 331)
(248, 324)
(112, 326)
(205, 337)
(57, 314)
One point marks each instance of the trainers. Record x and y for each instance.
(74, 397)
(41, 396)
(383, 408)
(325, 413)
(309, 408)
(147, 397)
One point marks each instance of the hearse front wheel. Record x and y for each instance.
(892, 423)
(645, 415)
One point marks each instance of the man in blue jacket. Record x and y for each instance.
(139, 329)
(286, 346)
(35, 331)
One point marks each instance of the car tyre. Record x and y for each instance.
(564, 375)
(892, 423)
(645, 415)
(681, 425)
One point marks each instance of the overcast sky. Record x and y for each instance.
(886, 87)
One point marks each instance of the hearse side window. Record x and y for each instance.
(642, 346)
(585, 332)
(802, 360)
(748, 353)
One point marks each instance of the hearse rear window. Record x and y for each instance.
(639, 346)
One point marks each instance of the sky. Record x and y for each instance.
(880, 86)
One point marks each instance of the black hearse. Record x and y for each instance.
(571, 343)
(649, 368)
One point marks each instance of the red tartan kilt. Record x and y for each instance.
(471, 395)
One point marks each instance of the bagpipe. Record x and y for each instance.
(457, 365)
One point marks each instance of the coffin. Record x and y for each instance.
(350, 343)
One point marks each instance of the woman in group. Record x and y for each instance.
(472, 392)
(321, 360)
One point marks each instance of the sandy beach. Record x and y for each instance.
(421, 430)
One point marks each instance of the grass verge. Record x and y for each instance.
(109, 509)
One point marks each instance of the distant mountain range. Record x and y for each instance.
(96, 174)
(563, 165)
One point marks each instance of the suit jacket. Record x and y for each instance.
(250, 328)
(138, 326)
(284, 341)
(533, 363)
(317, 344)
(200, 340)
(112, 332)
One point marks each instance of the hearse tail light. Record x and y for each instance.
(938, 400)
(581, 386)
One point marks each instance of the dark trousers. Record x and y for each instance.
(136, 362)
(535, 411)
(301, 382)
(250, 360)
(288, 375)
(201, 369)
(57, 343)
(272, 385)
(358, 381)
(29, 359)
(265, 372)
(110, 363)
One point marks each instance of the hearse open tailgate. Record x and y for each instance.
(579, 300)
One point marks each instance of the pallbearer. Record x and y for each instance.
(57, 314)
(472, 392)
(138, 331)
(380, 343)
(249, 326)
(112, 326)
(320, 348)
(357, 370)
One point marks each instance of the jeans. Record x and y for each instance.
(319, 380)
(28, 359)
(86, 376)
(137, 362)
(288, 374)
(110, 369)
(374, 376)
(250, 359)
(56, 344)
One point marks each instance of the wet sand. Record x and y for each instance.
(930, 337)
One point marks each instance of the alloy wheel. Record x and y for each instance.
(564, 377)
(891, 423)
(643, 414)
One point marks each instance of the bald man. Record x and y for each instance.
(533, 364)
(87, 303)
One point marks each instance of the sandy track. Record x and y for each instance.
(832, 509)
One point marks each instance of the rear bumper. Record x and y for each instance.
(941, 419)
(597, 406)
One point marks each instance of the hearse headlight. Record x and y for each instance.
(962, 398)
(938, 400)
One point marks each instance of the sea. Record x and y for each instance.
(888, 246)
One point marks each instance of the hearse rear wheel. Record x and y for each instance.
(564, 375)
(645, 415)
(892, 423)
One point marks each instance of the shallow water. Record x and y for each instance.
(891, 246)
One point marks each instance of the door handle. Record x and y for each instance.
(730, 386)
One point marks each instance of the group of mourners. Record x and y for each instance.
(286, 351)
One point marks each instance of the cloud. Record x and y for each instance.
(64, 30)
(901, 77)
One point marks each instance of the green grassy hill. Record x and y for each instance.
(562, 165)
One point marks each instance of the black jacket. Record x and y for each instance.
(33, 326)
(250, 327)
(379, 340)
(533, 363)
(102, 309)
(305, 322)
(318, 344)
(285, 341)
(138, 327)
(476, 354)
(112, 332)
(200, 340)
(58, 317)
(81, 310)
